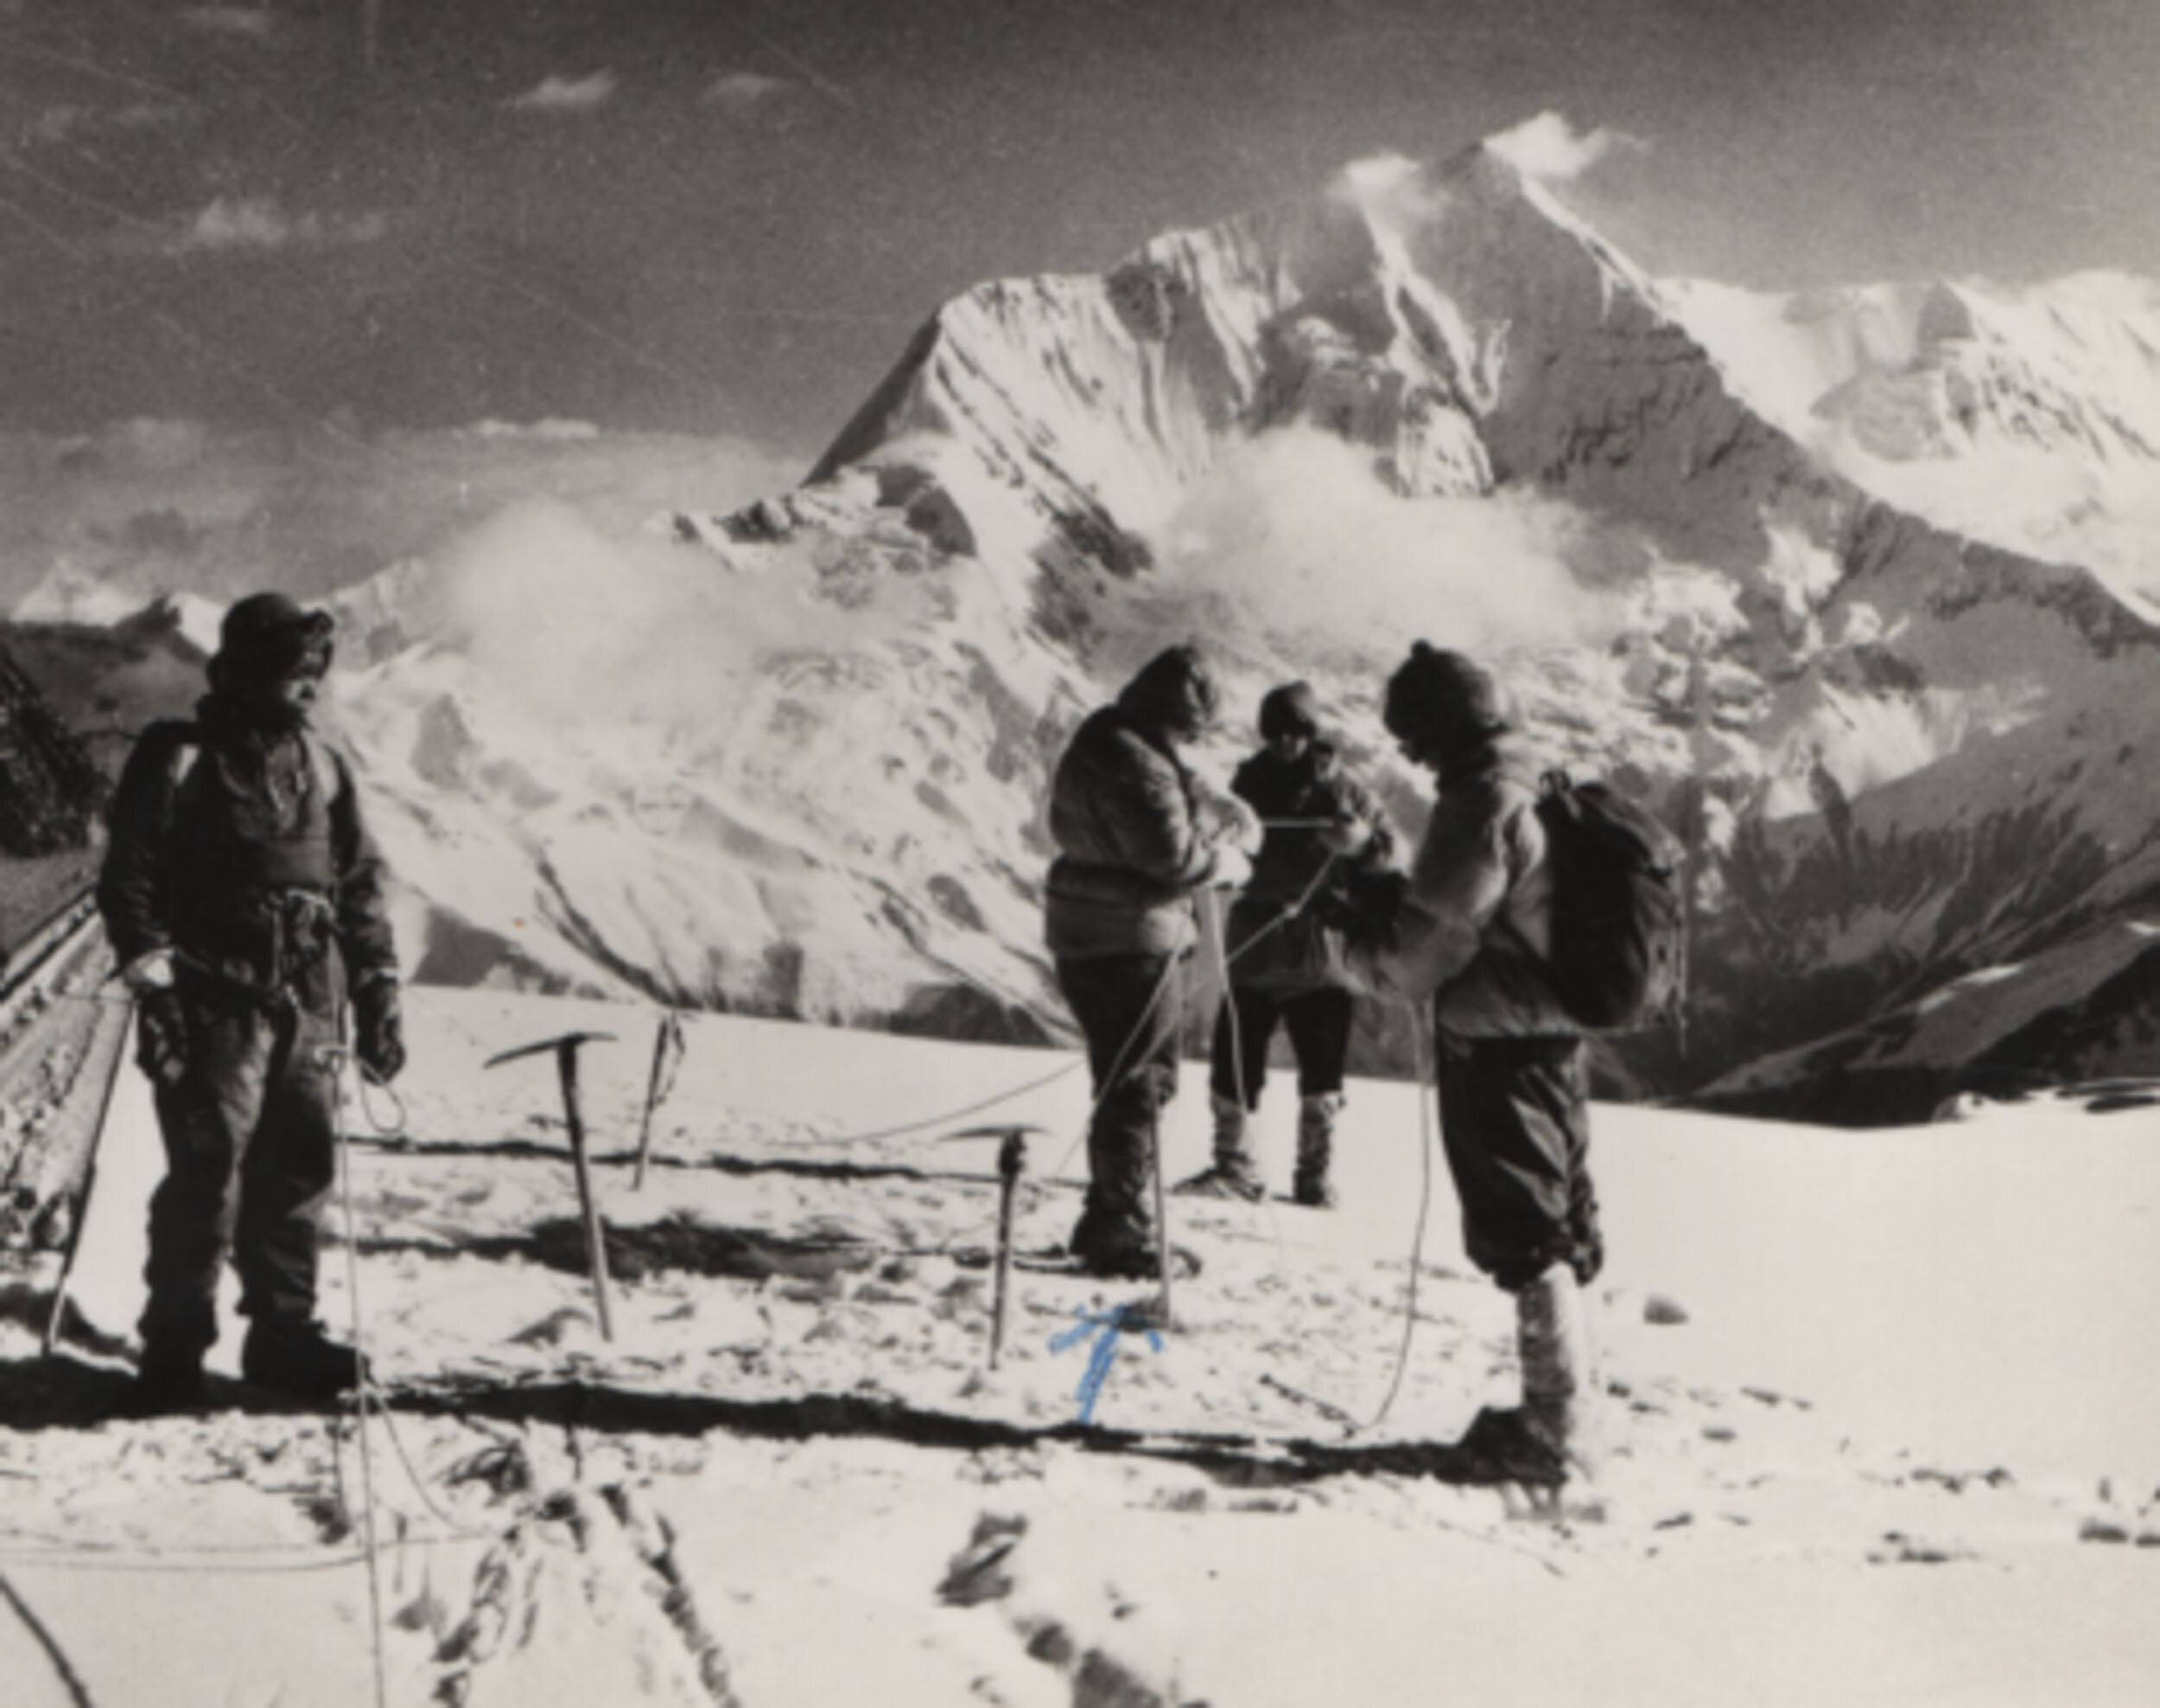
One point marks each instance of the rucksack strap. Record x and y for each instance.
(187, 748)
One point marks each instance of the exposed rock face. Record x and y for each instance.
(1905, 708)
(49, 788)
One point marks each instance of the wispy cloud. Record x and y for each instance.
(1265, 535)
(1549, 148)
(57, 125)
(255, 22)
(149, 505)
(258, 223)
(567, 94)
(744, 95)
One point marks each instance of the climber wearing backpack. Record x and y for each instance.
(1473, 933)
(243, 900)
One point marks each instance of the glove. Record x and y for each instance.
(1228, 869)
(1346, 836)
(160, 1035)
(379, 1030)
(1228, 821)
(1366, 908)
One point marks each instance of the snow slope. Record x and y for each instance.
(1880, 1425)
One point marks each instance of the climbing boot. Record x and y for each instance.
(1506, 1444)
(167, 1379)
(1316, 1145)
(1558, 1394)
(293, 1354)
(1233, 1174)
(1135, 1261)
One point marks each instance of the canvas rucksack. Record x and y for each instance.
(1618, 915)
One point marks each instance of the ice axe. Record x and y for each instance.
(565, 1049)
(1012, 1158)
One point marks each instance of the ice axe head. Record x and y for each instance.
(567, 1042)
(1012, 1152)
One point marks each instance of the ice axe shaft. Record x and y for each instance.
(565, 1049)
(1012, 1160)
(1162, 1218)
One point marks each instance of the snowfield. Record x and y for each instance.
(1881, 1422)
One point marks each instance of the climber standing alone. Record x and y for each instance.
(243, 900)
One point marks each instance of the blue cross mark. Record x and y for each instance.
(1106, 1326)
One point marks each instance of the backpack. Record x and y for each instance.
(1619, 918)
(187, 748)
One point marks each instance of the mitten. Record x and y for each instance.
(1368, 909)
(1346, 836)
(379, 1030)
(160, 1035)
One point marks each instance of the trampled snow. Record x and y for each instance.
(1879, 1424)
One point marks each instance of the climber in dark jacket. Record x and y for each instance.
(243, 900)
(1284, 947)
(1138, 835)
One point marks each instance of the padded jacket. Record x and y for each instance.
(1136, 834)
(1293, 866)
(1476, 920)
(215, 831)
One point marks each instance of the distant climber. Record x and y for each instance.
(1471, 934)
(1284, 942)
(243, 898)
(1138, 835)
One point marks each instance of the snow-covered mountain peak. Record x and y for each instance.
(1759, 556)
(1401, 309)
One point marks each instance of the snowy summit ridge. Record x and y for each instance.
(1755, 556)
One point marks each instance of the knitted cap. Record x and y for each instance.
(1291, 709)
(1439, 700)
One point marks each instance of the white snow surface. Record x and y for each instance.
(1880, 1425)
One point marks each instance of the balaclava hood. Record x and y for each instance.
(1173, 695)
(264, 637)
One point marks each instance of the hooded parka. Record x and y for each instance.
(239, 859)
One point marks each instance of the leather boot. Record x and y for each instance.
(1316, 1145)
(293, 1356)
(1552, 1336)
(168, 1378)
(1549, 1437)
(1233, 1174)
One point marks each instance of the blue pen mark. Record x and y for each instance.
(1106, 1326)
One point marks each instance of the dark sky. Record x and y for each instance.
(727, 215)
